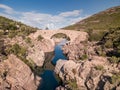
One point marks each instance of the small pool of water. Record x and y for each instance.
(49, 80)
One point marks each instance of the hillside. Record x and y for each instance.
(104, 20)
(12, 28)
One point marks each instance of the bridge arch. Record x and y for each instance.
(60, 36)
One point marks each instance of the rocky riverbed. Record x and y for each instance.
(85, 69)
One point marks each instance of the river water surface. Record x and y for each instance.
(49, 79)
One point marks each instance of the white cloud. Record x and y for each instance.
(43, 20)
(7, 9)
(71, 13)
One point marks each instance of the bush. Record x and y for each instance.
(84, 57)
(109, 44)
(20, 52)
(114, 59)
(12, 34)
(72, 84)
(99, 67)
(25, 30)
(40, 38)
(115, 78)
(95, 35)
(112, 39)
(17, 50)
(28, 40)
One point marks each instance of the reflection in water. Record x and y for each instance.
(49, 81)
(58, 52)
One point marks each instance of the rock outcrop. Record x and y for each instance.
(15, 72)
(35, 49)
(79, 49)
(89, 75)
(87, 68)
(37, 56)
(16, 75)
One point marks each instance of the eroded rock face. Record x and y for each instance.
(77, 51)
(47, 45)
(37, 56)
(16, 75)
(35, 49)
(89, 75)
(87, 67)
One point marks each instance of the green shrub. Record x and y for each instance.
(17, 50)
(95, 35)
(20, 52)
(25, 30)
(109, 44)
(28, 40)
(72, 84)
(99, 67)
(40, 38)
(114, 59)
(12, 34)
(112, 40)
(84, 57)
(115, 78)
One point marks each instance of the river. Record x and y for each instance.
(49, 79)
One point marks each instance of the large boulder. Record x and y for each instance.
(17, 75)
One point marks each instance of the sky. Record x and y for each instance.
(53, 14)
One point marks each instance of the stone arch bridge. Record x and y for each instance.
(70, 33)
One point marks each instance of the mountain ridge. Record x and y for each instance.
(109, 18)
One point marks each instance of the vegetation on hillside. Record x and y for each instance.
(12, 28)
(99, 24)
(110, 45)
(104, 20)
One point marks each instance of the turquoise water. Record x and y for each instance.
(49, 81)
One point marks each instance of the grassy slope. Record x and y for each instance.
(9, 24)
(12, 28)
(104, 20)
